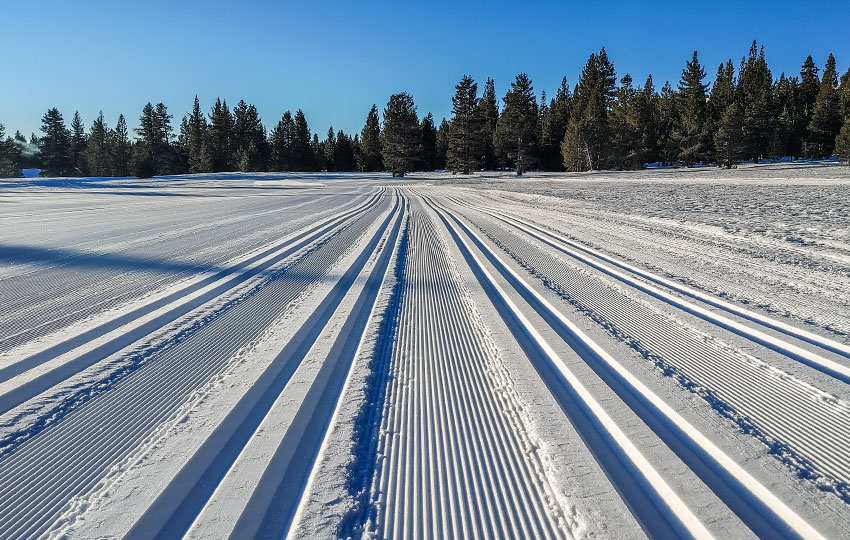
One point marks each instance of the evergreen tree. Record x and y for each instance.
(586, 143)
(517, 137)
(193, 139)
(826, 116)
(328, 149)
(668, 116)
(789, 122)
(97, 148)
(370, 143)
(442, 144)
(465, 151)
(149, 137)
(78, 145)
(121, 148)
(844, 95)
(282, 141)
(302, 151)
(690, 134)
(429, 143)
(55, 145)
(317, 155)
(645, 118)
(755, 95)
(809, 88)
(249, 143)
(722, 95)
(729, 137)
(488, 112)
(401, 136)
(625, 132)
(842, 143)
(344, 153)
(9, 155)
(220, 137)
(555, 123)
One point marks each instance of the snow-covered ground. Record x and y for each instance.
(662, 353)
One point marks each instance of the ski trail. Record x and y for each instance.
(753, 502)
(69, 457)
(453, 459)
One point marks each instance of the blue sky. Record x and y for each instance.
(334, 59)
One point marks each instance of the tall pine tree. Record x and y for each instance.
(517, 136)
(78, 145)
(488, 113)
(97, 148)
(690, 134)
(826, 116)
(465, 150)
(429, 143)
(555, 123)
(55, 145)
(121, 148)
(755, 96)
(282, 141)
(400, 138)
(370, 143)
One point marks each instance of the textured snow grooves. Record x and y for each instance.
(810, 434)
(754, 503)
(69, 457)
(453, 461)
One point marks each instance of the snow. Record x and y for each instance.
(602, 355)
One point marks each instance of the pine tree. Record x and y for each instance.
(9, 155)
(317, 155)
(690, 134)
(343, 156)
(625, 132)
(193, 139)
(809, 88)
(248, 142)
(302, 151)
(721, 96)
(465, 151)
(729, 137)
(220, 134)
(826, 116)
(755, 95)
(282, 141)
(328, 148)
(149, 137)
(55, 145)
(488, 112)
(668, 116)
(442, 144)
(555, 123)
(844, 95)
(400, 138)
(121, 149)
(370, 143)
(842, 143)
(78, 145)
(645, 113)
(429, 143)
(586, 143)
(97, 148)
(517, 137)
(789, 122)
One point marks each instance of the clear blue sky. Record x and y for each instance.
(334, 59)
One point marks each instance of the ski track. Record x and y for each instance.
(111, 338)
(453, 460)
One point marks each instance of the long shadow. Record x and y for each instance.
(81, 260)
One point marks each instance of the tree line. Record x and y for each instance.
(600, 123)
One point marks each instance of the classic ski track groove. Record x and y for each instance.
(785, 521)
(452, 462)
(41, 475)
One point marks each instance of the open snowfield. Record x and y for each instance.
(663, 353)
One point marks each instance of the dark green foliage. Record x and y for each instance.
(193, 140)
(442, 144)
(625, 131)
(328, 148)
(842, 143)
(809, 88)
(790, 126)
(465, 150)
(303, 158)
(317, 154)
(586, 143)
(429, 143)
(121, 148)
(344, 153)
(98, 156)
(516, 139)
(729, 137)
(55, 145)
(826, 116)
(401, 140)
(844, 95)
(153, 153)
(668, 116)
(249, 144)
(370, 143)
(555, 121)
(220, 133)
(646, 119)
(488, 112)
(78, 145)
(282, 142)
(755, 96)
(690, 135)
(9, 155)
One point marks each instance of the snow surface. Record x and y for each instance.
(662, 353)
